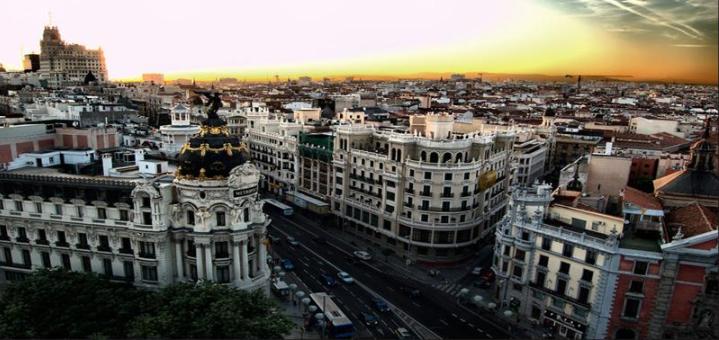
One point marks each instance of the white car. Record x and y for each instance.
(362, 255)
(346, 278)
(403, 333)
(476, 270)
(292, 241)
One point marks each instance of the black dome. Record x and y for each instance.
(212, 153)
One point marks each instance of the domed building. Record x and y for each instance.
(217, 221)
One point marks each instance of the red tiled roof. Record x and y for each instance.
(693, 219)
(641, 199)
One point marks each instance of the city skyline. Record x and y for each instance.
(597, 37)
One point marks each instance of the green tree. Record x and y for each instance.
(61, 304)
(56, 303)
(209, 310)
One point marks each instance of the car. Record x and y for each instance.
(476, 270)
(292, 241)
(410, 291)
(380, 305)
(275, 239)
(287, 264)
(433, 272)
(320, 240)
(369, 319)
(362, 255)
(328, 280)
(346, 278)
(403, 333)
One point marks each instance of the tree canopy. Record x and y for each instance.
(57, 303)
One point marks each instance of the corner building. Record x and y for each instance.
(206, 223)
(429, 195)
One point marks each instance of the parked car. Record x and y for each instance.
(328, 280)
(403, 333)
(287, 264)
(369, 319)
(362, 255)
(292, 241)
(476, 270)
(346, 278)
(380, 305)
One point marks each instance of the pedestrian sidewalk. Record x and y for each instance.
(295, 311)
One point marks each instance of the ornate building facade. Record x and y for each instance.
(204, 223)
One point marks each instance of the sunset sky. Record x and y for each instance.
(656, 40)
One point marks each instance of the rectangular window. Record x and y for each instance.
(66, 262)
(579, 223)
(448, 176)
(101, 213)
(568, 250)
(507, 250)
(126, 245)
(38, 207)
(221, 250)
(631, 308)
(27, 260)
(82, 241)
(591, 257)
(427, 175)
(107, 267)
(517, 271)
(583, 295)
(22, 235)
(86, 264)
(190, 217)
(466, 176)
(18, 205)
(541, 278)
(220, 218)
(587, 275)
(564, 268)
(546, 243)
(636, 287)
(61, 241)
(223, 274)
(543, 261)
(149, 273)
(80, 211)
(124, 215)
(129, 270)
(519, 254)
(147, 249)
(561, 286)
(640, 267)
(104, 243)
(46, 259)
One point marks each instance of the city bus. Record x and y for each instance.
(275, 205)
(338, 324)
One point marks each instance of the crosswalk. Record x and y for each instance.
(449, 288)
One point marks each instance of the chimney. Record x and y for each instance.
(106, 164)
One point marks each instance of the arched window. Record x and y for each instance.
(433, 157)
(394, 154)
(446, 157)
(399, 155)
(458, 159)
(423, 156)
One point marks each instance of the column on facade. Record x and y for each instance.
(236, 263)
(178, 259)
(245, 261)
(262, 251)
(198, 261)
(208, 262)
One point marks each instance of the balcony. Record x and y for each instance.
(425, 193)
(465, 194)
(127, 251)
(4, 238)
(84, 246)
(63, 244)
(447, 195)
(105, 248)
(561, 296)
(147, 255)
(42, 242)
(22, 240)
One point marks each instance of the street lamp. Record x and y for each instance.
(320, 317)
(293, 287)
(299, 295)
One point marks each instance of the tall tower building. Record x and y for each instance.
(68, 64)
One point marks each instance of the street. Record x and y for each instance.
(431, 309)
